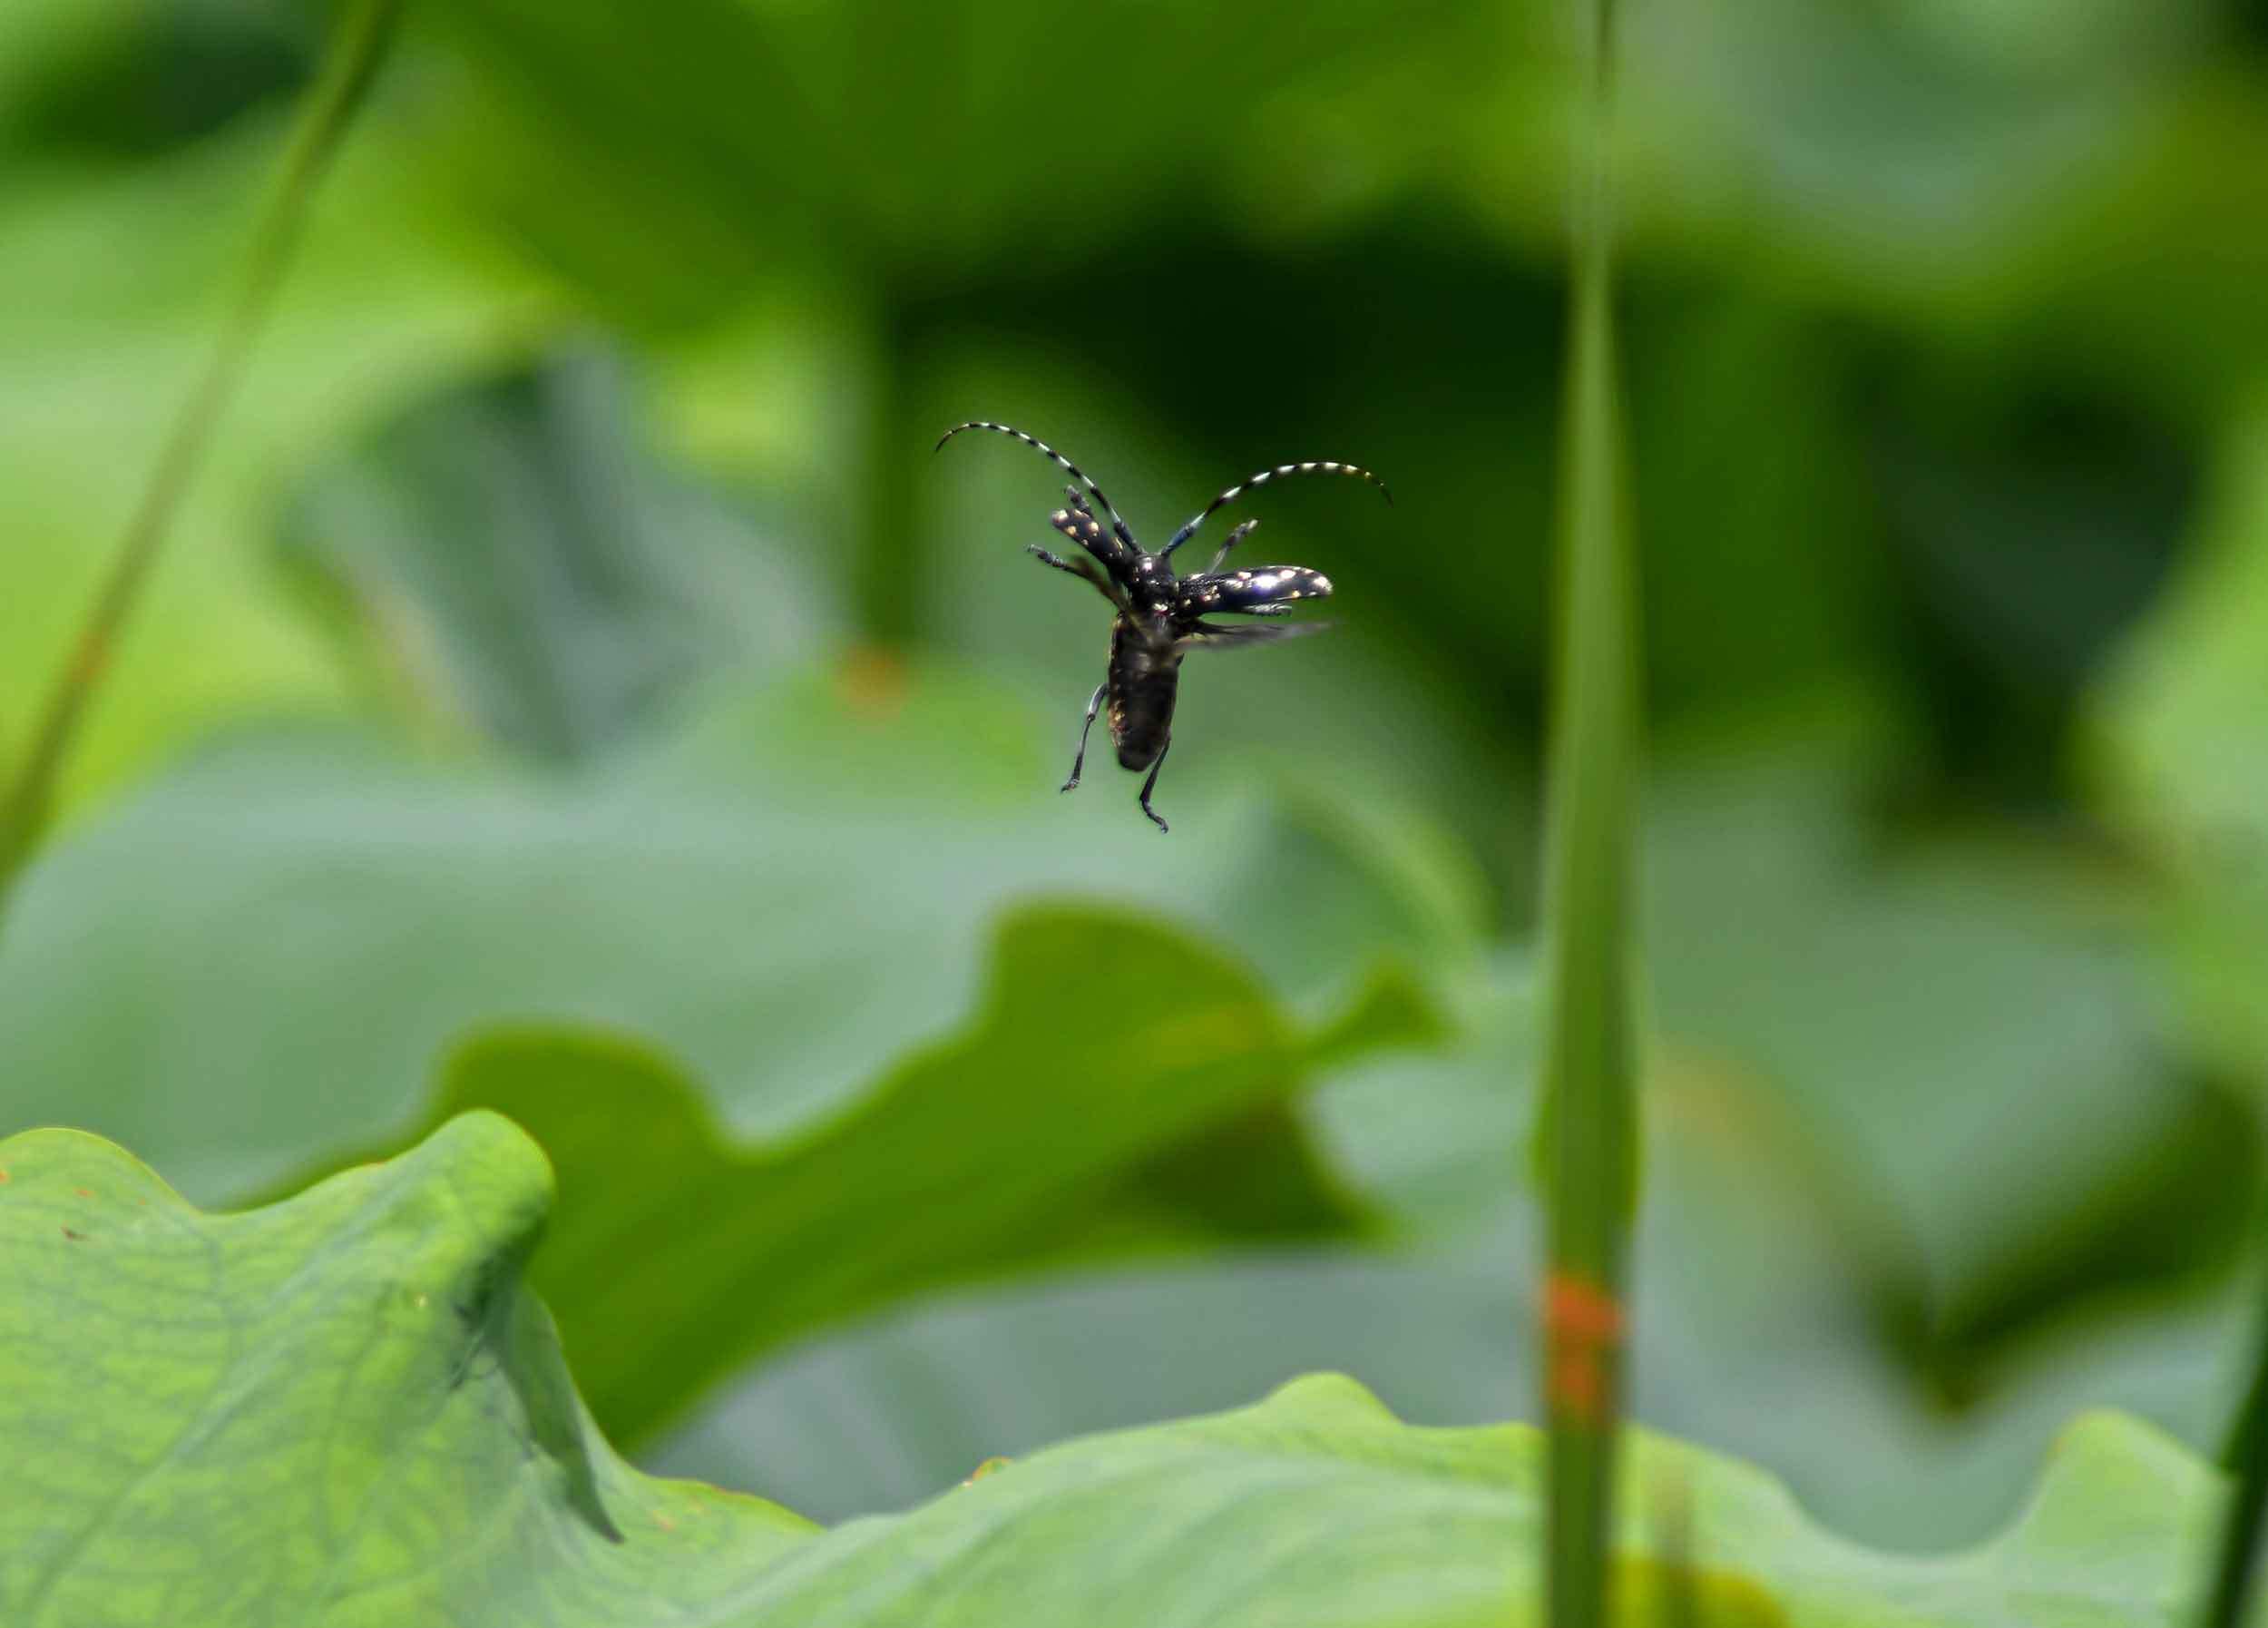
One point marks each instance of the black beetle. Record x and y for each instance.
(1161, 616)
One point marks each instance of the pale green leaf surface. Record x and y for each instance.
(1318, 1507)
(345, 1409)
(1867, 1023)
(786, 899)
(1773, 1313)
(339, 1410)
(887, 1413)
(1925, 1009)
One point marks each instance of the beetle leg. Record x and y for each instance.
(1085, 570)
(1077, 568)
(1094, 705)
(1155, 817)
(1234, 537)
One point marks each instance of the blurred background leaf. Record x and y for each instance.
(791, 896)
(2181, 749)
(519, 565)
(1063, 1125)
(1752, 1335)
(572, 630)
(116, 272)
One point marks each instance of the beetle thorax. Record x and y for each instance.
(1153, 584)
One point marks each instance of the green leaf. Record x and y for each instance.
(345, 1409)
(326, 107)
(710, 131)
(893, 1409)
(525, 565)
(1893, 994)
(2180, 750)
(1062, 1124)
(340, 1410)
(896, 1409)
(284, 910)
(1318, 1507)
(1753, 1322)
(116, 279)
(1777, 1289)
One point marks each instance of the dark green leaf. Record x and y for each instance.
(1062, 1124)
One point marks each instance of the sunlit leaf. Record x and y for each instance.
(347, 1407)
(342, 1410)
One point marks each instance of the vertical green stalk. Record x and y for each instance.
(886, 578)
(1586, 1134)
(2236, 1558)
(356, 51)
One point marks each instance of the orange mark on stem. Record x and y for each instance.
(1578, 1309)
(1582, 1326)
(1578, 1386)
(83, 1192)
(89, 660)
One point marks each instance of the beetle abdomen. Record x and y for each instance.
(1141, 718)
(1139, 691)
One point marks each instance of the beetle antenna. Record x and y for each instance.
(1325, 467)
(1117, 525)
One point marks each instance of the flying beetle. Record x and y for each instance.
(1161, 616)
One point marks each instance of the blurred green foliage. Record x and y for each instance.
(1014, 1149)
(570, 634)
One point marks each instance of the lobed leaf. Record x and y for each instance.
(1062, 1125)
(347, 1409)
(343, 1409)
(320, 907)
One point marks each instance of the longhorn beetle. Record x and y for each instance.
(1161, 616)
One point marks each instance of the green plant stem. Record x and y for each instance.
(2236, 1556)
(356, 49)
(1586, 1136)
(886, 571)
